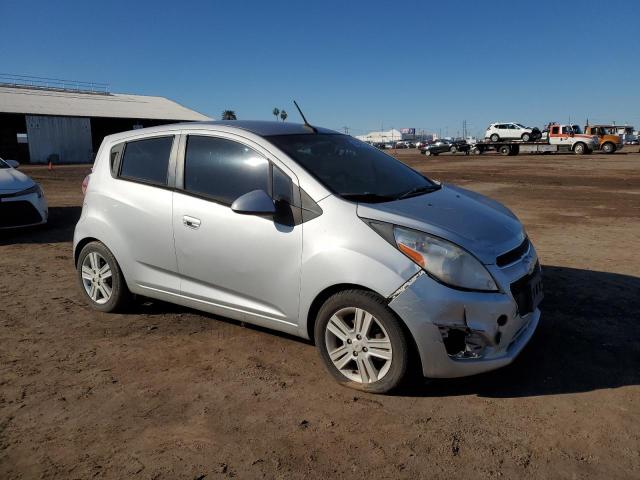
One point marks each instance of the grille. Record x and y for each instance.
(15, 214)
(522, 291)
(513, 255)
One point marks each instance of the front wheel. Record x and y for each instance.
(427, 153)
(101, 278)
(580, 148)
(453, 149)
(361, 341)
(526, 137)
(608, 147)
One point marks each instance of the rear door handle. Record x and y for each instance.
(191, 222)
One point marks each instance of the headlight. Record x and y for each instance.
(34, 189)
(445, 261)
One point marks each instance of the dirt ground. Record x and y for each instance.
(166, 392)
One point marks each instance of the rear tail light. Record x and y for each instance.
(85, 184)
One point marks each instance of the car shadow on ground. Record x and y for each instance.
(59, 228)
(588, 339)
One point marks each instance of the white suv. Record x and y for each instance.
(511, 131)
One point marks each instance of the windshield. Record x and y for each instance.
(520, 125)
(353, 169)
(4, 164)
(576, 129)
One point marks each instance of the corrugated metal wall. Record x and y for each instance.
(67, 137)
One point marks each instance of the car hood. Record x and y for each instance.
(482, 226)
(11, 180)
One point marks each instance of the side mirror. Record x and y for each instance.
(256, 202)
(13, 163)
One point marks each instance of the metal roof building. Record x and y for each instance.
(66, 123)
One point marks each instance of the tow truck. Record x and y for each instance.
(556, 138)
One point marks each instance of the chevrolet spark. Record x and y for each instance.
(313, 233)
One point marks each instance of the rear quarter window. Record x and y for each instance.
(147, 160)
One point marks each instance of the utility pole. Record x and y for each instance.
(346, 130)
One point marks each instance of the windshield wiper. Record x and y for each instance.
(367, 197)
(419, 191)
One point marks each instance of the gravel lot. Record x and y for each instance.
(167, 392)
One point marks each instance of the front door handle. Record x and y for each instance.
(191, 222)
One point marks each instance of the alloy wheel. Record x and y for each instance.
(97, 278)
(358, 345)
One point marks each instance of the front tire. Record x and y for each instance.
(526, 137)
(101, 279)
(361, 342)
(453, 149)
(608, 147)
(580, 148)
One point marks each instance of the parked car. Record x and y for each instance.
(400, 145)
(380, 145)
(443, 146)
(314, 233)
(22, 201)
(497, 132)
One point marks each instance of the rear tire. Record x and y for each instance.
(608, 148)
(361, 342)
(505, 150)
(427, 153)
(101, 279)
(495, 137)
(453, 149)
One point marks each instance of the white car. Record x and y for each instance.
(22, 201)
(497, 132)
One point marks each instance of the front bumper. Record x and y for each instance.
(428, 308)
(18, 211)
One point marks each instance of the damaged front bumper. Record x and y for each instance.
(460, 333)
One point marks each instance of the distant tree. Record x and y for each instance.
(283, 115)
(229, 115)
(276, 112)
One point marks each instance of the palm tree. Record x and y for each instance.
(276, 112)
(283, 115)
(229, 115)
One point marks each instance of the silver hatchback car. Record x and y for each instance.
(313, 233)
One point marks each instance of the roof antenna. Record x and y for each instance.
(306, 124)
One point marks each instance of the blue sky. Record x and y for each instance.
(427, 65)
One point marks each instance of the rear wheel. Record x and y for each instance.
(453, 149)
(361, 341)
(580, 148)
(476, 151)
(101, 278)
(608, 147)
(495, 137)
(505, 150)
(427, 153)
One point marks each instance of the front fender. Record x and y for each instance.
(356, 255)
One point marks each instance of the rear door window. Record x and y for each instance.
(147, 160)
(223, 169)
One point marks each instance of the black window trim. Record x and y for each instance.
(120, 149)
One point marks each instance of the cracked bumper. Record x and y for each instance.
(425, 305)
